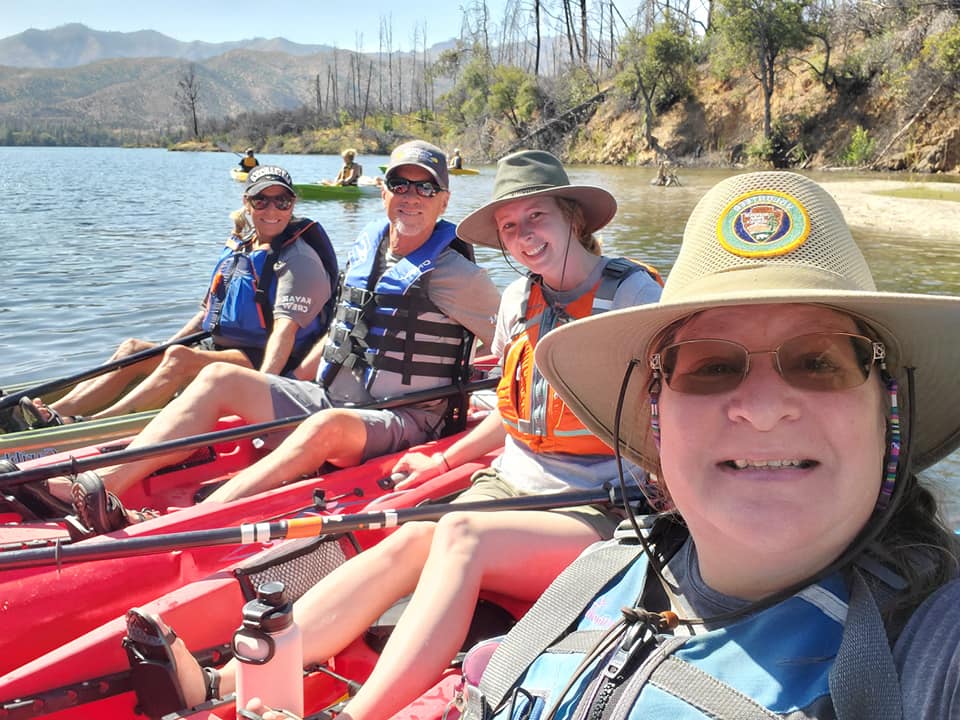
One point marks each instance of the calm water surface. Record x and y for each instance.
(100, 244)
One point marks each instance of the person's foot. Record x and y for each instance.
(167, 676)
(99, 509)
(37, 414)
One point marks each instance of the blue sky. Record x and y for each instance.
(330, 22)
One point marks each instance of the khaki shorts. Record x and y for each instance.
(490, 484)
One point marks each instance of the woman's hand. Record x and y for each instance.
(256, 709)
(418, 468)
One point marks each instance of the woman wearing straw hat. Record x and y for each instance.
(785, 405)
(547, 225)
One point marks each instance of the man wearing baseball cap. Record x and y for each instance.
(410, 302)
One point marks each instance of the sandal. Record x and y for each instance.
(37, 414)
(153, 666)
(98, 509)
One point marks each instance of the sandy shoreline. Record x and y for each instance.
(864, 208)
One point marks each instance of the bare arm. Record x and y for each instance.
(485, 437)
(279, 345)
(194, 324)
(307, 369)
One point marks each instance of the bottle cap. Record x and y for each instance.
(270, 612)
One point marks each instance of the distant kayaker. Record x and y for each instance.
(787, 408)
(290, 258)
(350, 172)
(248, 162)
(546, 224)
(408, 291)
(456, 162)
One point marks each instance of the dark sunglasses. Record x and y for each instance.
(821, 362)
(262, 202)
(424, 188)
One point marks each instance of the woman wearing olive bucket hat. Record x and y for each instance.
(799, 568)
(546, 224)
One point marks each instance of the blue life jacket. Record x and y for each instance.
(243, 289)
(384, 320)
(822, 653)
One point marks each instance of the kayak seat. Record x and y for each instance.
(298, 564)
(489, 620)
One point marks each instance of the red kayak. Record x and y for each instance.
(88, 676)
(34, 598)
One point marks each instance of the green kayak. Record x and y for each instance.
(316, 191)
(29, 444)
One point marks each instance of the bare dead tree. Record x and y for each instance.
(584, 45)
(188, 97)
(400, 83)
(568, 30)
(366, 97)
(536, 25)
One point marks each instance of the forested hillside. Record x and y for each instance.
(797, 83)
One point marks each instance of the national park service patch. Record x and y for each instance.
(763, 224)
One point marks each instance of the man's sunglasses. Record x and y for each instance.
(262, 202)
(424, 188)
(820, 362)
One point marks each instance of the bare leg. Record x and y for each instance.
(220, 389)
(337, 436)
(96, 393)
(453, 560)
(469, 551)
(178, 366)
(335, 611)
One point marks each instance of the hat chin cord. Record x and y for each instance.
(653, 623)
(897, 464)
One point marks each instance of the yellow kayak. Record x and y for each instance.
(238, 174)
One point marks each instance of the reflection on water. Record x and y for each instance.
(100, 244)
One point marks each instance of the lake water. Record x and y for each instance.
(100, 244)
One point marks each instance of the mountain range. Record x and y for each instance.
(75, 44)
(73, 76)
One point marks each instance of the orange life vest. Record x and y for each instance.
(532, 412)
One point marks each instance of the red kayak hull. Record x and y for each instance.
(34, 600)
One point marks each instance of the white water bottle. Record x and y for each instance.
(269, 649)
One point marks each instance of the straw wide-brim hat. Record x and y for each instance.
(760, 238)
(533, 173)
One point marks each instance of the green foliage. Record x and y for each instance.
(657, 67)
(943, 51)
(761, 30)
(571, 88)
(514, 95)
(860, 149)
(757, 35)
(760, 149)
(487, 92)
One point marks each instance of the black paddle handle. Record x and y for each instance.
(51, 385)
(77, 465)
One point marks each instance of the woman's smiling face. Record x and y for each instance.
(772, 480)
(535, 232)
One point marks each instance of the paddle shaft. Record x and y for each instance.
(51, 385)
(76, 465)
(110, 548)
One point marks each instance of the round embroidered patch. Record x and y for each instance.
(763, 224)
